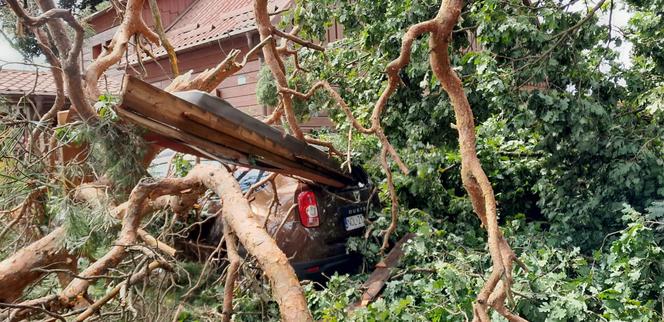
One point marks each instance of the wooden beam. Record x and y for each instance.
(222, 152)
(222, 117)
(221, 125)
(231, 155)
(374, 284)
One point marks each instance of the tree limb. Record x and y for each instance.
(172, 57)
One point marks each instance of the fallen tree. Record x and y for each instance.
(25, 267)
(236, 213)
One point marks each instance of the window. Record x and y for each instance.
(97, 49)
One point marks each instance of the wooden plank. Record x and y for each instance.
(237, 130)
(289, 163)
(222, 152)
(241, 100)
(252, 130)
(231, 156)
(374, 284)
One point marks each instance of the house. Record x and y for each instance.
(32, 93)
(202, 33)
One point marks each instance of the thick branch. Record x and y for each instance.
(16, 271)
(70, 54)
(231, 273)
(58, 81)
(132, 23)
(474, 179)
(240, 219)
(275, 64)
(249, 230)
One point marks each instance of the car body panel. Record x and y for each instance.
(298, 242)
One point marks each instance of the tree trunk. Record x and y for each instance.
(249, 230)
(17, 272)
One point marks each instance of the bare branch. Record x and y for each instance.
(297, 39)
(231, 273)
(473, 176)
(272, 60)
(172, 57)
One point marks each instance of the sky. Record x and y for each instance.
(7, 53)
(619, 19)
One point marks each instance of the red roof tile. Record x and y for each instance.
(22, 82)
(210, 20)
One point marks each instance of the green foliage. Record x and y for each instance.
(114, 149)
(88, 231)
(24, 41)
(266, 88)
(181, 165)
(444, 267)
(572, 151)
(571, 139)
(267, 94)
(566, 133)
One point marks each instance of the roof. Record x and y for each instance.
(26, 82)
(210, 20)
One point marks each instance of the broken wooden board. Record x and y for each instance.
(374, 284)
(203, 122)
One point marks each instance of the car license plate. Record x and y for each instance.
(354, 222)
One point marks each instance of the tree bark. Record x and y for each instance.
(249, 230)
(275, 64)
(17, 271)
(474, 179)
(237, 214)
(132, 23)
(231, 273)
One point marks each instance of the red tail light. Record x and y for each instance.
(308, 206)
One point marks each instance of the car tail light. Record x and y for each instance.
(308, 206)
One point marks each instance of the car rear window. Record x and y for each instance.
(248, 177)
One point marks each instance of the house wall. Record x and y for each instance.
(238, 89)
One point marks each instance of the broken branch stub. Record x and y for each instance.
(18, 271)
(209, 79)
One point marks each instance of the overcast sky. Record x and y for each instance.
(619, 20)
(7, 53)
